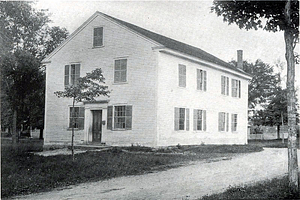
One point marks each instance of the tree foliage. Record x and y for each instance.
(268, 15)
(264, 83)
(26, 39)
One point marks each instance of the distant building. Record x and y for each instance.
(164, 92)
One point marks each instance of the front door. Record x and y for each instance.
(97, 125)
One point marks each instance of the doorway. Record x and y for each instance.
(97, 125)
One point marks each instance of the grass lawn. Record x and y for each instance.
(25, 173)
(272, 189)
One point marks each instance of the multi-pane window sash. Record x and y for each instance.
(72, 73)
(223, 121)
(182, 75)
(199, 120)
(182, 119)
(98, 37)
(119, 117)
(120, 74)
(78, 116)
(236, 88)
(201, 80)
(224, 85)
(234, 122)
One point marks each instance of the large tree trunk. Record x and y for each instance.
(73, 125)
(292, 136)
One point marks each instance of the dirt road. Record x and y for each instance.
(187, 182)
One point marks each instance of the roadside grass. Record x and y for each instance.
(25, 173)
(270, 143)
(277, 188)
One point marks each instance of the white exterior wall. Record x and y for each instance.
(139, 91)
(170, 95)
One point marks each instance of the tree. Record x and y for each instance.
(272, 16)
(86, 88)
(24, 31)
(21, 83)
(264, 82)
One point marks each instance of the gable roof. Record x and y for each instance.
(157, 38)
(176, 45)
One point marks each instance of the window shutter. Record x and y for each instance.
(227, 84)
(204, 82)
(222, 85)
(198, 79)
(232, 122)
(204, 119)
(195, 120)
(239, 89)
(176, 119)
(109, 117)
(232, 87)
(67, 74)
(128, 117)
(187, 119)
(227, 121)
(220, 121)
(77, 72)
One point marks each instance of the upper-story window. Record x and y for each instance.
(224, 85)
(120, 71)
(236, 88)
(98, 37)
(201, 79)
(72, 73)
(182, 75)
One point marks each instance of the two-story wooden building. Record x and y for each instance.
(163, 92)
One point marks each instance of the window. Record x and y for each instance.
(224, 85)
(120, 74)
(78, 116)
(236, 88)
(182, 75)
(223, 121)
(233, 122)
(182, 119)
(119, 117)
(72, 73)
(98, 37)
(199, 120)
(201, 80)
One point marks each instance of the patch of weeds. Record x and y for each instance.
(277, 188)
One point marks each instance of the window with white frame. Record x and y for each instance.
(120, 71)
(199, 120)
(119, 117)
(182, 75)
(235, 88)
(201, 79)
(234, 122)
(224, 85)
(223, 121)
(98, 37)
(72, 73)
(77, 117)
(182, 119)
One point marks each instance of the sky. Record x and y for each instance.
(191, 22)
